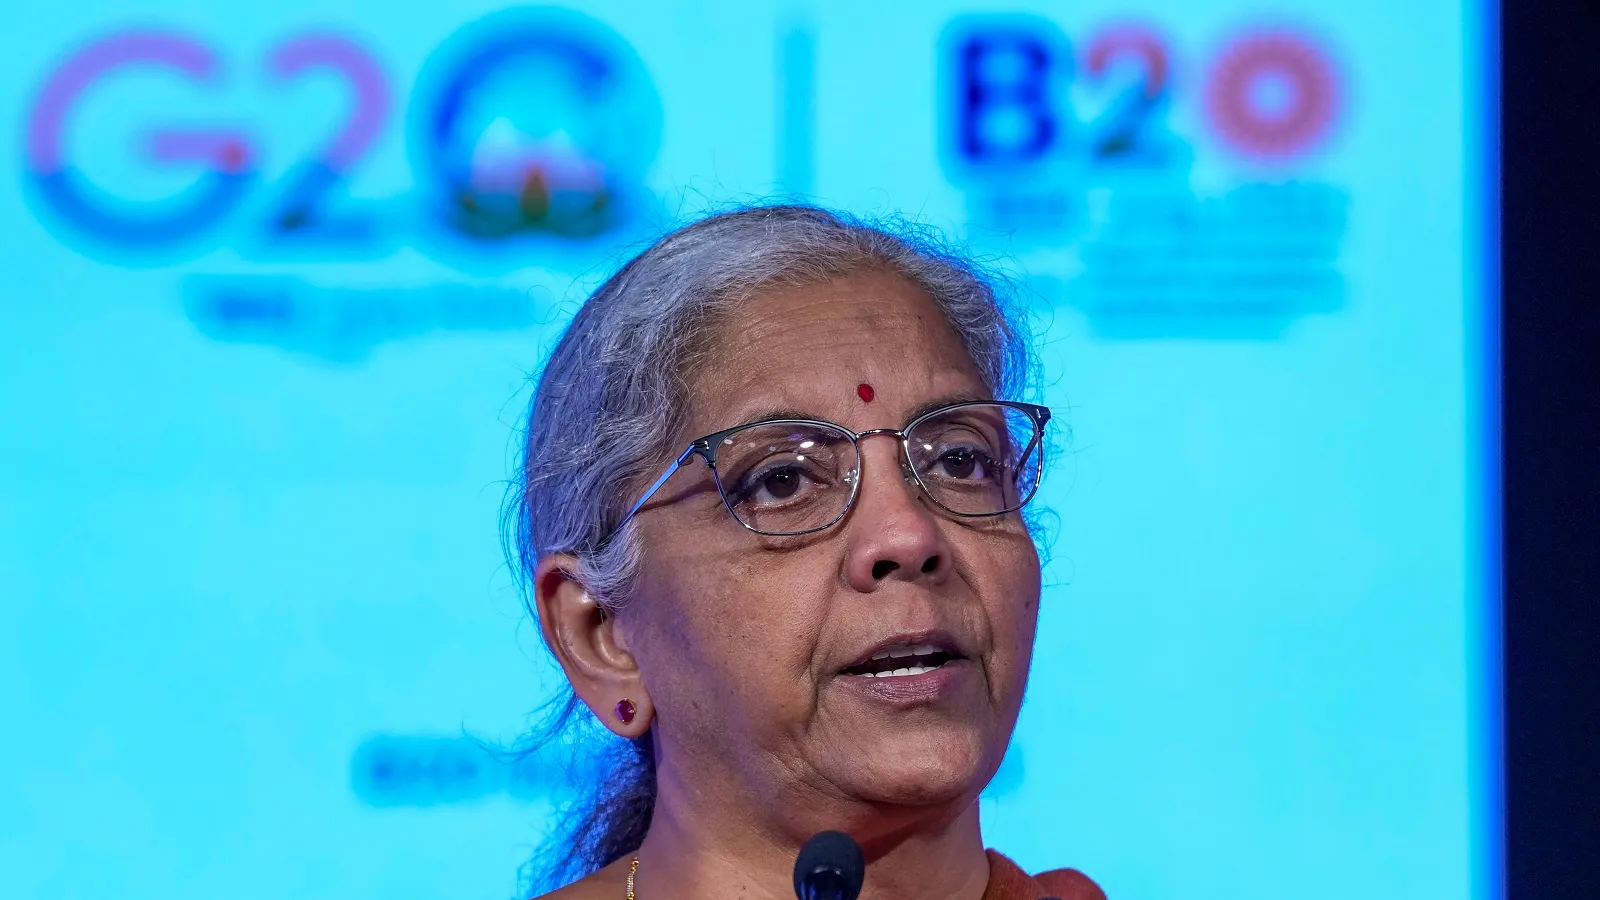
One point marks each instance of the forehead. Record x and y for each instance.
(807, 349)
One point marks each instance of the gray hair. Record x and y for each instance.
(614, 391)
(614, 388)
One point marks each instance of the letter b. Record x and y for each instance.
(1004, 108)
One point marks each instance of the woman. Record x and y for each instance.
(770, 519)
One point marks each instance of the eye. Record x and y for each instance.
(965, 464)
(774, 483)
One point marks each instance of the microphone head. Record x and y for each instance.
(830, 867)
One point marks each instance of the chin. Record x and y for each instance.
(924, 770)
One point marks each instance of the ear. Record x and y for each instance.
(584, 638)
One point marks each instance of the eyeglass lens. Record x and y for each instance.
(788, 477)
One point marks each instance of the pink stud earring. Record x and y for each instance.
(625, 710)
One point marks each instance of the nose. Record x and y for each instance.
(893, 534)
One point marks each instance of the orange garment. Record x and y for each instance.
(1007, 881)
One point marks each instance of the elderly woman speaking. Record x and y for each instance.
(770, 519)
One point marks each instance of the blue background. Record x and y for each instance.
(252, 595)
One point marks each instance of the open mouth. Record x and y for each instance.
(903, 661)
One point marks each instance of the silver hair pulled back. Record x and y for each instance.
(613, 391)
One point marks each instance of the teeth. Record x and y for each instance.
(909, 670)
(898, 652)
(904, 653)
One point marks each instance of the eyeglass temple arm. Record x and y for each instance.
(1041, 418)
(656, 486)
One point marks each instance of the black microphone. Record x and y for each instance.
(829, 867)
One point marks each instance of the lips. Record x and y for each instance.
(905, 655)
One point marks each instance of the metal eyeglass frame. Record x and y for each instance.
(706, 448)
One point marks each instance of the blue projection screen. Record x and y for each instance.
(276, 273)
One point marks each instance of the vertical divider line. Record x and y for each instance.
(796, 103)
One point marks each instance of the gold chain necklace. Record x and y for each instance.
(632, 871)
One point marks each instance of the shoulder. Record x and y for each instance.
(1069, 884)
(1007, 881)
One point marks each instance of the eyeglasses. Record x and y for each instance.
(795, 476)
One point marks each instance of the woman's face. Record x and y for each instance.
(746, 643)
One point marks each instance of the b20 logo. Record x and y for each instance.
(1270, 95)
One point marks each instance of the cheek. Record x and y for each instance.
(769, 616)
(732, 628)
(1010, 590)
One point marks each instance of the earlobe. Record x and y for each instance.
(583, 636)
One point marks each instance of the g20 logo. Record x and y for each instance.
(1269, 95)
(532, 124)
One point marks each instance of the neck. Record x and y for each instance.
(700, 846)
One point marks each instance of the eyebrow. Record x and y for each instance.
(769, 414)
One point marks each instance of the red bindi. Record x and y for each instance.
(865, 392)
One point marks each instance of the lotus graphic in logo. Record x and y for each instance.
(534, 124)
